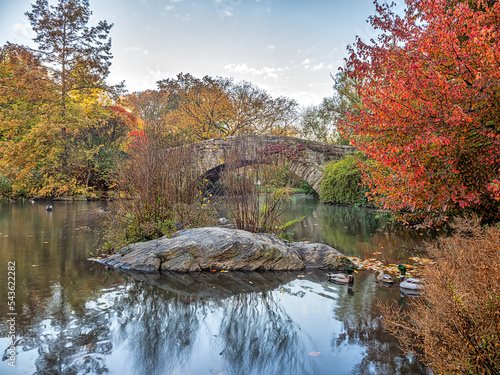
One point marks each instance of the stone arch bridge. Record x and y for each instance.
(304, 158)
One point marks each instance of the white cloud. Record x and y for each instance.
(169, 7)
(306, 63)
(319, 66)
(227, 13)
(24, 30)
(266, 72)
(306, 52)
(271, 47)
(151, 76)
(176, 1)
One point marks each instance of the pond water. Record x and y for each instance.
(73, 316)
(356, 231)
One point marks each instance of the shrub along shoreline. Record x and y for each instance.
(342, 182)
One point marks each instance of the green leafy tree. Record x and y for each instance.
(321, 123)
(78, 55)
(96, 147)
(318, 122)
(348, 102)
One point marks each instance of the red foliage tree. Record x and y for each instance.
(430, 116)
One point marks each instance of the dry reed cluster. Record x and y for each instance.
(161, 187)
(254, 202)
(455, 327)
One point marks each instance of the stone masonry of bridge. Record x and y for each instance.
(307, 158)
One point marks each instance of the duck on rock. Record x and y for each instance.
(342, 278)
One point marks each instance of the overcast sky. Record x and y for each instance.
(288, 47)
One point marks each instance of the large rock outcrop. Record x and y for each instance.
(224, 249)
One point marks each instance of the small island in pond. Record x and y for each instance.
(224, 249)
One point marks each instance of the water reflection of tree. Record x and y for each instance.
(259, 337)
(47, 248)
(359, 232)
(361, 326)
(255, 333)
(159, 327)
(68, 342)
(148, 330)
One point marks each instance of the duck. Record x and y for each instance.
(48, 207)
(342, 278)
(409, 283)
(384, 278)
